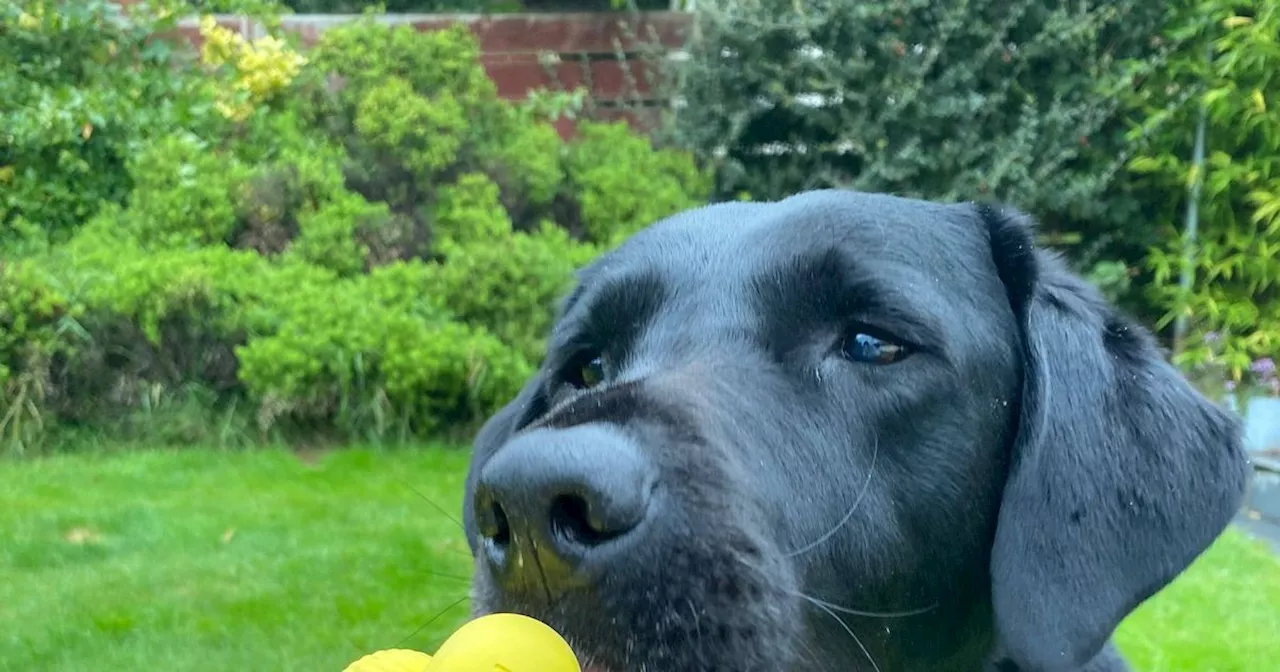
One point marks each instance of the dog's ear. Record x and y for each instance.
(1121, 474)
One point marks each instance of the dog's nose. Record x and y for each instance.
(554, 500)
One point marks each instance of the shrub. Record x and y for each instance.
(522, 153)
(36, 316)
(511, 284)
(391, 119)
(79, 93)
(367, 366)
(468, 212)
(439, 6)
(363, 242)
(183, 193)
(330, 235)
(1233, 307)
(989, 101)
(602, 166)
(260, 69)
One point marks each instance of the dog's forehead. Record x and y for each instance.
(733, 243)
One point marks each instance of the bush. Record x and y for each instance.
(602, 167)
(1233, 307)
(362, 242)
(183, 193)
(989, 101)
(512, 284)
(36, 316)
(438, 6)
(79, 93)
(362, 365)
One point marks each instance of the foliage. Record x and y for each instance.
(985, 100)
(331, 235)
(391, 117)
(374, 365)
(513, 284)
(262, 68)
(362, 240)
(442, 6)
(183, 193)
(947, 100)
(34, 318)
(80, 91)
(615, 205)
(1234, 304)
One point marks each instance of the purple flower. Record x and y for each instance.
(1230, 385)
(1213, 338)
(1263, 367)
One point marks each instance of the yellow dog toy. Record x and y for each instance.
(493, 643)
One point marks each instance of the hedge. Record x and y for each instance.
(356, 241)
(1082, 113)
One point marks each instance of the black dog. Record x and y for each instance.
(844, 432)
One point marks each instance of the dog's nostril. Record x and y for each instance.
(571, 521)
(559, 501)
(501, 528)
(492, 522)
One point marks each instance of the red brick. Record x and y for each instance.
(516, 75)
(515, 47)
(592, 33)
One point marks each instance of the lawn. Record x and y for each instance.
(203, 560)
(223, 561)
(1222, 615)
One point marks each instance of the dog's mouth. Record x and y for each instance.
(587, 661)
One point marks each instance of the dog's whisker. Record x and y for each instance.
(856, 640)
(433, 619)
(428, 500)
(451, 577)
(441, 510)
(846, 610)
(866, 487)
(868, 614)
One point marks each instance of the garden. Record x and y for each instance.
(258, 287)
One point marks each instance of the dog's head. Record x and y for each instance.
(837, 429)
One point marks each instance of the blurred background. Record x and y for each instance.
(265, 267)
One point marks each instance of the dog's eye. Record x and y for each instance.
(586, 373)
(867, 349)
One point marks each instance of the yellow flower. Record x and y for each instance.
(262, 67)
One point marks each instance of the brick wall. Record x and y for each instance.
(523, 52)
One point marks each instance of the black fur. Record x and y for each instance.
(1019, 484)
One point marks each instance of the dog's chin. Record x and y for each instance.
(596, 652)
(749, 641)
(727, 606)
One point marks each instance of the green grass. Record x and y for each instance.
(1222, 615)
(201, 560)
(207, 560)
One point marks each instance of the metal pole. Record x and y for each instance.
(1191, 224)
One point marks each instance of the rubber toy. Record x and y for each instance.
(493, 643)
